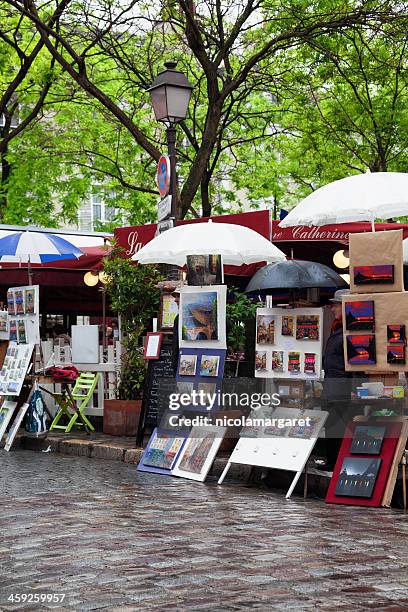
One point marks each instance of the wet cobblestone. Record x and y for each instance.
(111, 538)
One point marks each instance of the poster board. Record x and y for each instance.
(278, 332)
(23, 306)
(344, 487)
(202, 317)
(85, 344)
(376, 249)
(6, 413)
(286, 448)
(15, 427)
(199, 452)
(15, 366)
(389, 309)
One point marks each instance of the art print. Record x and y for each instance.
(360, 315)
(396, 334)
(209, 365)
(361, 350)
(310, 363)
(168, 311)
(188, 365)
(19, 302)
(204, 270)
(10, 303)
(294, 362)
(162, 451)
(367, 440)
(260, 361)
(3, 321)
(13, 330)
(29, 301)
(374, 275)
(307, 327)
(199, 316)
(196, 452)
(21, 331)
(265, 329)
(287, 326)
(305, 431)
(396, 354)
(357, 477)
(277, 361)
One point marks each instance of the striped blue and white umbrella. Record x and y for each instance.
(36, 247)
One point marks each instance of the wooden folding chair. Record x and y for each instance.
(73, 403)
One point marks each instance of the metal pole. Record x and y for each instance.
(171, 143)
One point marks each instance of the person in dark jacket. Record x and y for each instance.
(337, 384)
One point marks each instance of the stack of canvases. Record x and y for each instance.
(375, 317)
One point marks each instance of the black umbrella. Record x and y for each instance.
(295, 274)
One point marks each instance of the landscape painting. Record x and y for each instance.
(396, 354)
(188, 365)
(196, 452)
(260, 361)
(199, 316)
(265, 329)
(357, 477)
(163, 451)
(367, 440)
(396, 334)
(374, 275)
(360, 315)
(361, 350)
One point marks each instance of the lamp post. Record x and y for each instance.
(170, 95)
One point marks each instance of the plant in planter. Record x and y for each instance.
(134, 296)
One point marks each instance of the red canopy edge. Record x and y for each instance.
(338, 232)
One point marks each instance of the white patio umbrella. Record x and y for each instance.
(237, 244)
(362, 197)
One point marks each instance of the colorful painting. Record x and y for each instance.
(21, 331)
(199, 316)
(310, 363)
(209, 365)
(367, 440)
(360, 316)
(307, 327)
(10, 303)
(196, 452)
(361, 350)
(168, 311)
(396, 334)
(260, 361)
(277, 361)
(13, 330)
(357, 477)
(3, 321)
(374, 275)
(287, 326)
(162, 451)
(265, 329)
(19, 302)
(29, 301)
(204, 270)
(294, 362)
(306, 432)
(396, 354)
(187, 365)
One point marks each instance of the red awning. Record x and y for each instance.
(329, 233)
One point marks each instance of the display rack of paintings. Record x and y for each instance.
(14, 369)
(23, 314)
(289, 343)
(202, 370)
(284, 442)
(363, 474)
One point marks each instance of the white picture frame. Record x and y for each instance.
(221, 341)
(206, 439)
(85, 344)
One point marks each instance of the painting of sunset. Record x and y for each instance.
(361, 350)
(360, 315)
(396, 354)
(374, 275)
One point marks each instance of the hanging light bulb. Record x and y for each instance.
(341, 260)
(91, 279)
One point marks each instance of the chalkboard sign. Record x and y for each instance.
(157, 371)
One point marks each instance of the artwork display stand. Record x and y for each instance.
(282, 451)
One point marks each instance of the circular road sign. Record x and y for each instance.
(163, 175)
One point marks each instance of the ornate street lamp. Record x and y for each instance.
(170, 95)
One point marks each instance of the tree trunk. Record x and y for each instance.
(205, 196)
(5, 174)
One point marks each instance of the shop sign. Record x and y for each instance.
(164, 208)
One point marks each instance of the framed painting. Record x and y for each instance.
(367, 440)
(199, 452)
(6, 413)
(361, 350)
(374, 275)
(168, 311)
(360, 315)
(162, 452)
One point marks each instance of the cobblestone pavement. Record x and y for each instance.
(110, 538)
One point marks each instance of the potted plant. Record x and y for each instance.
(135, 297)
